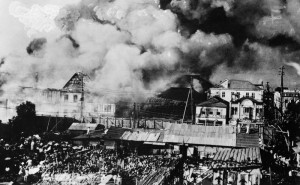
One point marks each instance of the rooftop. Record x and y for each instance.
(236, 158)
(214, 102)
(85, 126)
(75, 83)
(239, 84)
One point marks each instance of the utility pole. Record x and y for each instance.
(134, 115)
(82, 96)
(192, 101)
(186, 103)
(281, 73)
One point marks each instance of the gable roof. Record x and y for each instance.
(214, 102)
(75, 83)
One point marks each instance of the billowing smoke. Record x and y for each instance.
(37, 47)
(134, 49)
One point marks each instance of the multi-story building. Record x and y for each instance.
(212, 112)
(287, 97)
(245, 99)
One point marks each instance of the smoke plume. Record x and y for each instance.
(36, 47)
(135, 49)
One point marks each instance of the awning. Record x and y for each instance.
(154, 143)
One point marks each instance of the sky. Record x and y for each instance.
(144, 46)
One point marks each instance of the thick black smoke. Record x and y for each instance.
(36, 47)
(260, 29)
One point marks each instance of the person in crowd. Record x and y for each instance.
(50, 158)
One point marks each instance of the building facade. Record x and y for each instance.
(212, 112)
(245, 99)
(61, 102)
(287, 97)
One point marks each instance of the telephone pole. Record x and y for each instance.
(192, 101)
(134, 115)
(82, 96)
(281, 73)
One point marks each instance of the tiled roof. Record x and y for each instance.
(241, 84)
(214, 102)
(238, 85)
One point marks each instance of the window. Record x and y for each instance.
(218, 113)
(96, 109)
(202, 112)
(66, 97)
(258, 110)
(107, 108)
(247, 109)
(218, 123)
(247, 94)
(253, 95)
(210, 112)
(233, 110)
(65, 112)
(75, 98)
(223, 94)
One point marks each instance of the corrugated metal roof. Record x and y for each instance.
(125, 135)
(234, 158)
(198, 134)
(95, 135)
(115, 133)
(152, 137)
(84, 126)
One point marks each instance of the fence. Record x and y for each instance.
(136, 123)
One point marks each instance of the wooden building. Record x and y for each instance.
(237, 166)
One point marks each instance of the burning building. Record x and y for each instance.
(73, 100)
(133, 50)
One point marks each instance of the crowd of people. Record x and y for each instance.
(33, 159)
